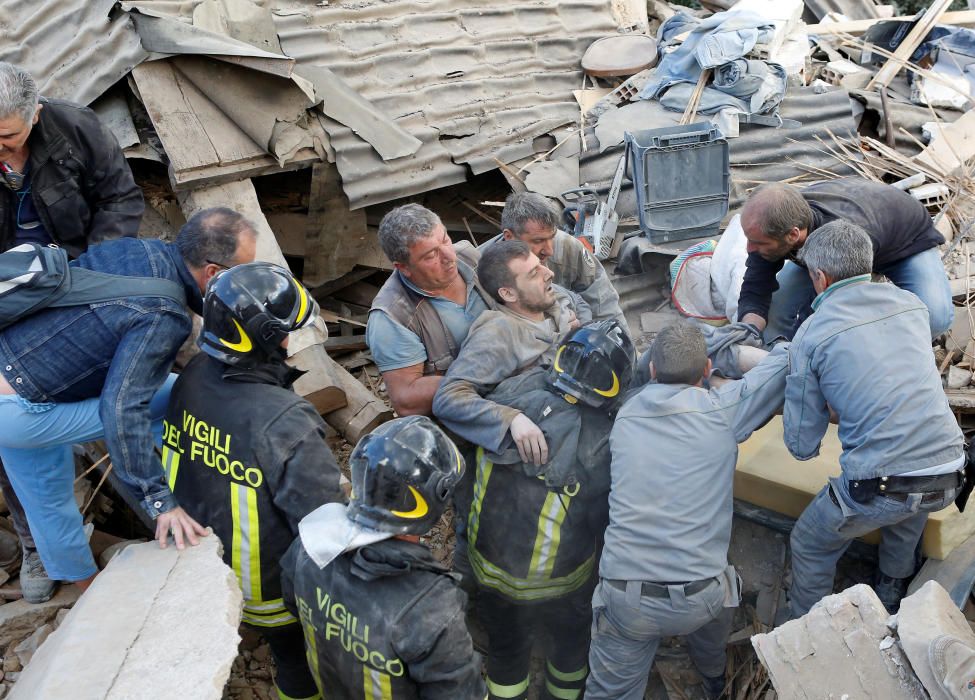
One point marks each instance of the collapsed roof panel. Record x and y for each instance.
(73, 48)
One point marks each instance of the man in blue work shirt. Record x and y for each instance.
(903, 451)
(664, 569)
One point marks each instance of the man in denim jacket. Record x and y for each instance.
(902, 448)
(77, 373)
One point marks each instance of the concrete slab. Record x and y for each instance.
(155, 622)
(841, 648)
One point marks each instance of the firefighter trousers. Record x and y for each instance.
(287, 643)
(562, 627)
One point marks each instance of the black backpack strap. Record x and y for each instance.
(92, 287)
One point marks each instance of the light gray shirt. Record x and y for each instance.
(674, 449)
(866, 351)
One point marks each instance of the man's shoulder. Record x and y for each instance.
(74, 121)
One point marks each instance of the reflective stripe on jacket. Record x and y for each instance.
(247, 457)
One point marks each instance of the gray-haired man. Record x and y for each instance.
(63, 180)
(664, 568)
(421, 316)
(902, 448)
(534, 220)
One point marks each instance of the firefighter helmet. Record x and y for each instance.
(403, 474)
(593, 364)
(249, 310)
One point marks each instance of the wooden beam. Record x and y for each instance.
(363, 412)
(963, 18)
(903, 53)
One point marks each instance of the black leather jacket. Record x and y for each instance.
(81, 185)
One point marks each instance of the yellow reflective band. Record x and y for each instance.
(376, 685)
(548, 536)
(570, 398)
(311, 653)
(245, 554)
(419, 511)
(484, 468)
(460, 460)
(243, 345)
(279, 620)
(170, 462)
(562, 693)
(613, 390)
(302, 303)
(491, 576)
(558, 356)
(508, 691)
(264, 606)
(573, 677)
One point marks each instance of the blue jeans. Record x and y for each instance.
(35, 446)
(627, 628)
(923, 274)
(825, 530)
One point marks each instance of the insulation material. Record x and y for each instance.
(769, 477)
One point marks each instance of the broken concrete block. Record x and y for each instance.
(27, 648)
(20, 618)
(162, 617)
(112, 550)
(958, 378)
(836, 650)
(923, 617)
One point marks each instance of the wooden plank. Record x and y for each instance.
(345, 343)
(963, 18)
(337, 237)
(924, 25)
(360, 293)
(330, 288)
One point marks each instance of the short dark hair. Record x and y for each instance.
(777, 208)
(523, 207)
(679, 354)
(404, 226)
(493, 271)
(212, 235)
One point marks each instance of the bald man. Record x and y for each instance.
(777, 295)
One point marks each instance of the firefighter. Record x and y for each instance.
(382, 618)
(245, 454)
(540, 493)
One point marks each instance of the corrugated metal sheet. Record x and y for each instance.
(759, 154)
(853, 9)
(474, 81)
(71, 47)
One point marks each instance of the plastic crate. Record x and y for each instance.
(681, 177)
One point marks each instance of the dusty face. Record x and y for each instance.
(767, 247)
(538, 237)
(13, 134)
(533, 284)
(433, 263)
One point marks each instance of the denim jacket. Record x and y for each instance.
(866, 351)
(120, 350)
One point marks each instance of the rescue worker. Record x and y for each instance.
(245, 454)
(533, 219)
(532, 534)
(664, 566)
(63, 180)
(903, 452)
(423, 312)
(778, 219)
(382, 618)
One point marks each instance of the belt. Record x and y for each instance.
(900, 487)
(660, 590)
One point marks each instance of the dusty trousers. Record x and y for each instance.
(562, 627)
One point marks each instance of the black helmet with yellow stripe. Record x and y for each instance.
(403, 475)
(249, 310)
(593, 364)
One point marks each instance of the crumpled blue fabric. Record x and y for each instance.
(713, 41)
(747, 86)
